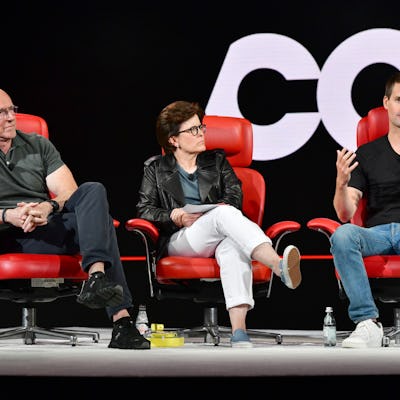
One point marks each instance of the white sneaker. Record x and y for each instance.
(367, 334)
(290, 267)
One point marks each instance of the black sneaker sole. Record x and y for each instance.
(142, 345)
(106, 297)
(139, 346)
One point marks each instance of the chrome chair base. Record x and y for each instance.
(30, 332)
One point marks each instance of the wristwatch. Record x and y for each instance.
(54, 204)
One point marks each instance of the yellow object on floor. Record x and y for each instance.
(161, 338)
(157, 327)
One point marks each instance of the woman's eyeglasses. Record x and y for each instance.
(194, 130)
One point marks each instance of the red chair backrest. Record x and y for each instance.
(235, 136)
(374, 125)
(29, 123)
(32, 123)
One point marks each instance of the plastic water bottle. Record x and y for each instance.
(142, 321)
(329, 328)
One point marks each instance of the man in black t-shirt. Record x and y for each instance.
(373, 171)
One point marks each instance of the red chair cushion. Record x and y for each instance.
(174, 267)
(26, 266)
(382, 266)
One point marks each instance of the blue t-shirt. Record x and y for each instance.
(190, 186)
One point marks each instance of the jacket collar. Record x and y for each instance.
(206, 173)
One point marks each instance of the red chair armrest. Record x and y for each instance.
(143, 226)
(282, 227)
(324, 225)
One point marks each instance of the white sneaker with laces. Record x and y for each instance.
(367, 334)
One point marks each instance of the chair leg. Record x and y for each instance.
(29, 331)
(263, 334)
(393, 332)
(210, 329)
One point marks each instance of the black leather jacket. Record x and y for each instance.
(161, 189)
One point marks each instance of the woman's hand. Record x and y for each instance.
(189, 219)
(181, 218)
(176, 216)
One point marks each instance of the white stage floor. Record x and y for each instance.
(301, 357)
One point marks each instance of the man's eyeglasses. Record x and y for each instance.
(4, 112)
(194, 130)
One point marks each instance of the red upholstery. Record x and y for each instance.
(170, 268)
(32, 123)
(382, 266)
(15, 266)
(235, 136)
(372, 126)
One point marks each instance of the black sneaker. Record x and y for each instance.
(99, 292)
(126, 336)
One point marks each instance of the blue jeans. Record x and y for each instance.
(349, 244)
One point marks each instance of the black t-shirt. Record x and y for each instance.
(378, 177)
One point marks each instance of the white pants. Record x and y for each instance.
(224, 232)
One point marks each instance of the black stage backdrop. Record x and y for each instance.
(100, 73)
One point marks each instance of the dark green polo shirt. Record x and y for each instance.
(23, 170)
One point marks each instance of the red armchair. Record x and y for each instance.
(197, 279)
(32, 279)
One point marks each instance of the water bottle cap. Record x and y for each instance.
(328, 309)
